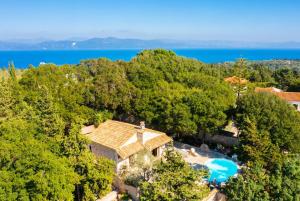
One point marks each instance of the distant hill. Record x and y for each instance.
(117, 43)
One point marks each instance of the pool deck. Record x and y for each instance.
(200, 156)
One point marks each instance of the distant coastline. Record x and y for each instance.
(111, 43)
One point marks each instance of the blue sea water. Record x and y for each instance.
(221, 169)
(22, 59)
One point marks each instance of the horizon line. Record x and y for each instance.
(41, 40)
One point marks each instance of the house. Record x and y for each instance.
(236, 80)
(291, 97)
(120, 141)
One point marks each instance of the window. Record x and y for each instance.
(90, 146)
(155, 152)
(132, 159)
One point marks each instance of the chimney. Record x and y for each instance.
(142, 125)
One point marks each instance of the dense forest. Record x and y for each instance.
(43, 156)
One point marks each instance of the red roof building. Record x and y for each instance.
(291, 97)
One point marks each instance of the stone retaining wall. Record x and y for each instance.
(221, 139)
(112, 196)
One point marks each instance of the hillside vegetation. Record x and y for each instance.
(44, 156)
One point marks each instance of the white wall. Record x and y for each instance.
(148, 136)
(295, 103)
(100, 150)
(121, 163)
(145, 137)
(131, 140)
(161, 150)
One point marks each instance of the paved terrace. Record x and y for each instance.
(200, 156)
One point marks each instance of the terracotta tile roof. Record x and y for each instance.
(114, 134)
(268, 89)
(288, 96)
(235, 80)
(130, 149)
(88, 129)
(157, 142)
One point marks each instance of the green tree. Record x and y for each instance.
(286, 77)
(241, 71)
(110, 88)
(52, 100)
(96, 176)
(269, 122)
(285, 180)
(62, 85)
(12, 71)
(256, 146)
(173, 179)
(250, 186)
(6, 100)
(29, 171)
(209, 109)
(261, 73)
(258, 183)
(49, 117)
(269, 144)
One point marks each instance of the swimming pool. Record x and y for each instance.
(221, 169)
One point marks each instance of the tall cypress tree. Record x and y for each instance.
(12, 71)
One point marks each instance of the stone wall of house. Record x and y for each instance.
(161, 150)
(100, 150)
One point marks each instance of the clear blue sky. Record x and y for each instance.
(243, 20)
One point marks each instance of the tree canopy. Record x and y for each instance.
(43, 154)
(174, 179)
(257, 183)
(269, 127)
(269, 145)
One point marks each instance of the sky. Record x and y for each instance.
(234, 20)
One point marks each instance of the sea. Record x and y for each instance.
(22, 59)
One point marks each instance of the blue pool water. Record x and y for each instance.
(22, 59)
(221, 169)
